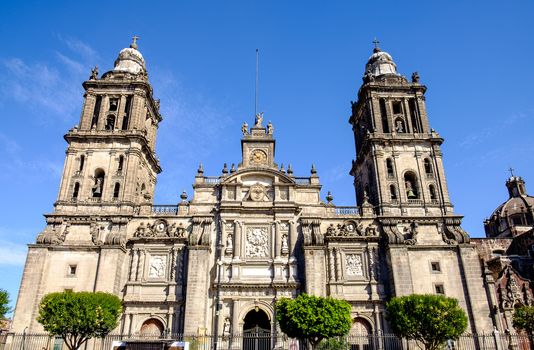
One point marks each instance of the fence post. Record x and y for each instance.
(497, 339)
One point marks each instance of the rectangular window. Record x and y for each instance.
(72, 270)
(438, 287)
(434, 266)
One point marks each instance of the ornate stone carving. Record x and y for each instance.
(257, 193)
(95, 234)
(201, 231)
(157, 266)
(52, 235)
(257, 242)
(311, 231)
(94, 73)
(350, 228)
(160, 228)
(353, 265)
(452, 232)
(395, 236)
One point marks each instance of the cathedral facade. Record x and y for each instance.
(218, 262)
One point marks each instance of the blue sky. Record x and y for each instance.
(474, 56)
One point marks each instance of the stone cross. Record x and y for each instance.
(376, 42)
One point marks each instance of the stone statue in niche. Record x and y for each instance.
(229, 244)
(257, 243)
(285, 246)
(399, 126)
(158, 264)
(354, 265)
(227, 327)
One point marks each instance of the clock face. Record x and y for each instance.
(258, 157)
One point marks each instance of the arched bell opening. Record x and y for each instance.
(410, 185)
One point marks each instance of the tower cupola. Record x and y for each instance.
(516, 186)
(380, 63)
(130, 60)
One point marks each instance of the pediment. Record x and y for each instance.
(265, 177)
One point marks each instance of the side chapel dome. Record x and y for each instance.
(515, 216)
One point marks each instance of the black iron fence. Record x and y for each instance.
(263, 341)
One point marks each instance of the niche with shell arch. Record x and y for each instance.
(152, 327)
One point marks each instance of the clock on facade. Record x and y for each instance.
(258, 157)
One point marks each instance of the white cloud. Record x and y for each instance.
(79, 47)
(12, 254)
(53, 88)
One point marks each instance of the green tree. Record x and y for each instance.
(313, 318)
(77, 317)
(429, 319)
(524, 319)
(4, 304)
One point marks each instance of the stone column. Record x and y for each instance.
(87, 111)
(278, 240)
(103, 116)
(133, 264)
(197, 300)
(140, 265)
(121, 112)
(339, 271)
(238, 229)
(331, 266)
(293, 235)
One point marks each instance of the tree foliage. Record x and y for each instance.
(77, 317)
(4, 303)
(524, 319)
(429, 319)
(313, 318)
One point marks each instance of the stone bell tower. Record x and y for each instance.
(111, 155)
(398, 164)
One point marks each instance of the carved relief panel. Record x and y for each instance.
(353, 265)
(257, 242)
(157, 266)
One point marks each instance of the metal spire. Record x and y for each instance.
(257, 82)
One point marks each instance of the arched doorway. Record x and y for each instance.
(152, 328)
(256, 330)
(361, 335)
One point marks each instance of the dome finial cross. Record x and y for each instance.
(511, 170)
(376, 42)
(134, 42)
